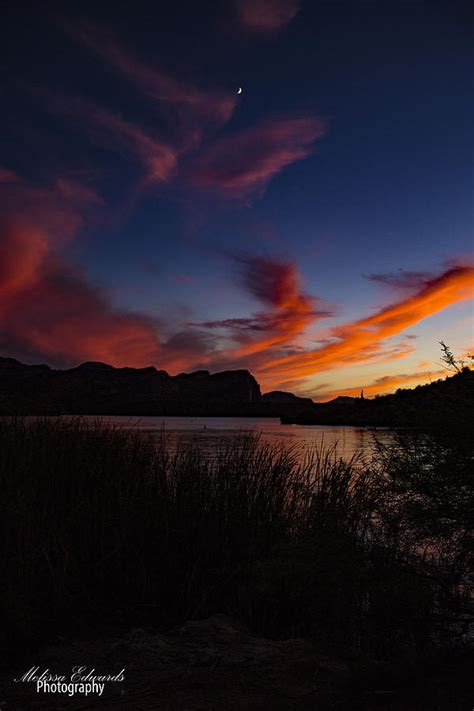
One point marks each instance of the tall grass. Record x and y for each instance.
(105, 526)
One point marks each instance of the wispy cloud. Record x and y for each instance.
(59, 209)
(51, 311)
(401, 279)
(242, 165)
(276, 284)
(366, 339)
(110, 130)
(74, 319)
(273, 342)
(48, 308)
(7, 176)
(184, 279)
(266, 16)
(195, 109)
(237, 166)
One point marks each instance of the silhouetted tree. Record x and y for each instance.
(449, 360)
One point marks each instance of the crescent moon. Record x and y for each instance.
(240, 90)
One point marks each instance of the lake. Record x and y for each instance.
(208, 432)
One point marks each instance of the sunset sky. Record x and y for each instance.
(315, 229)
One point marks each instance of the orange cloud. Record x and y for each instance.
(20, 258)
(277, 284)
(58, 209)
(47, 307)
(50, 310)
(364, 339)
(270, 342)
(266, 15)
(242, 165)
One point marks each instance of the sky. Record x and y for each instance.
(314, 227)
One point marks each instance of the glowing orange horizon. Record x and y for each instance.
(384, 385)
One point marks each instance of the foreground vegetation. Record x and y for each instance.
(107, 527)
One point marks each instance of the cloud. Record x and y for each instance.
(59, 209)
(273, 281)
(157, 157)
(49, 309)
(184, 279)
(270, 341)
(276, 284)
(242, 165)
(195, 109)
(266, 16)
(238, 166)
(78, 193)
(257, 323)
(402, 279)
(188, 350)
(7, 176)
(364, 339)
(21, 255)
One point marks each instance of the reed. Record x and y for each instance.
(107, 526)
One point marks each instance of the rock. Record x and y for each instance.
(99, 389)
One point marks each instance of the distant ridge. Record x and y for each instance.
(95, 388)
(445, 404)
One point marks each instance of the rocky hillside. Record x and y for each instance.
(100, 389)
(445, 403)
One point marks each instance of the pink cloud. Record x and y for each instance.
(7, 176)
(267, 16)
(196, 109)
(184, 279)
(242, 165)
(157, 157)
(238, 166)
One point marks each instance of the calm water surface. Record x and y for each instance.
(207, 432)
